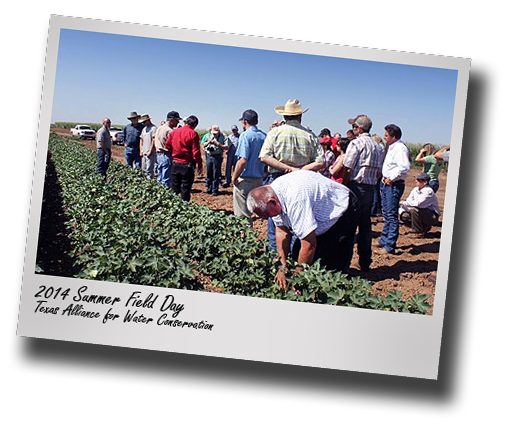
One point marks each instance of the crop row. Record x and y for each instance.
(131, 230)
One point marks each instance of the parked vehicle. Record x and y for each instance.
(83, 132)
(116, 135)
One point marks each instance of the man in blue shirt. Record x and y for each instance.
(131, 138)
(249, 169)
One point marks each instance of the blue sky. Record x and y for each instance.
(101, 74)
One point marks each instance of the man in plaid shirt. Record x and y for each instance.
(363, 162)
(288, 148)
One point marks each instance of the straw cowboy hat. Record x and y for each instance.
(292, 108)
(133, 115)
(144, 118)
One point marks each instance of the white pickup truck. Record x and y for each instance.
(83, 132)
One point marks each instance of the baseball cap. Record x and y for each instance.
(362, 121)
(173, 115)
(423, 177)
(250, 116)
(234, 127)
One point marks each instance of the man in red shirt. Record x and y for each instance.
(184, 145)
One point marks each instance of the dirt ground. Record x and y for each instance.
(412, 270)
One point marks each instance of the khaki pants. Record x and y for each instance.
(240, 192)
(419, 219)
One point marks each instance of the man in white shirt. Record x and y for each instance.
(394, 171)
(323, 215)
(420, 211)
(147, 148)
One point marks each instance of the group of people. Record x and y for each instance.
(316, 192)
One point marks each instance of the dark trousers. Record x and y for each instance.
(334, 247)
(103, 162)
(364, 193)
(230, 163)
(213, 172)
(181, 179)
(376, 205)
(419, 219)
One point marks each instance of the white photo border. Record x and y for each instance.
(245, 327)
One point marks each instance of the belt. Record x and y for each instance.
(183, 164)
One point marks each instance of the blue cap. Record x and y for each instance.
(234, 127)
(250, 116)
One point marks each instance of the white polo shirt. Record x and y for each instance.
(309, 202)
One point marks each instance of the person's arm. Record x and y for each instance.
(277, 165)
(315, 166)
(141, 146)
(335, 168)
(346, 176)
(197, 155)
(283, 241)
(152, 148)
(222, 143)
(124, 137)
(421, 155)
(439, 155)
(307, 249)
(168, 143)
(239, 168)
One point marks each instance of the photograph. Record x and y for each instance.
(238, 175)
(135, 226)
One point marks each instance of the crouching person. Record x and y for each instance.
(420, 211)
(323, 214)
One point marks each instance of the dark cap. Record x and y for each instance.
(250, 116)
(234, 128)
(173, 115)
(423, 177)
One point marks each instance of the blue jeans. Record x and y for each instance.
(164, 167)
(364, 193)
(132, 155)
(434, 185)
(103, 162)
(391, 195)
(213, 172)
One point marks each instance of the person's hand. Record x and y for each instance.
(280, 277)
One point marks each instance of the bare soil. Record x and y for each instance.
(412, 270)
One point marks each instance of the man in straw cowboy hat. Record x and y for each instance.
(147, 148)
(131, 137)
(290, 147)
